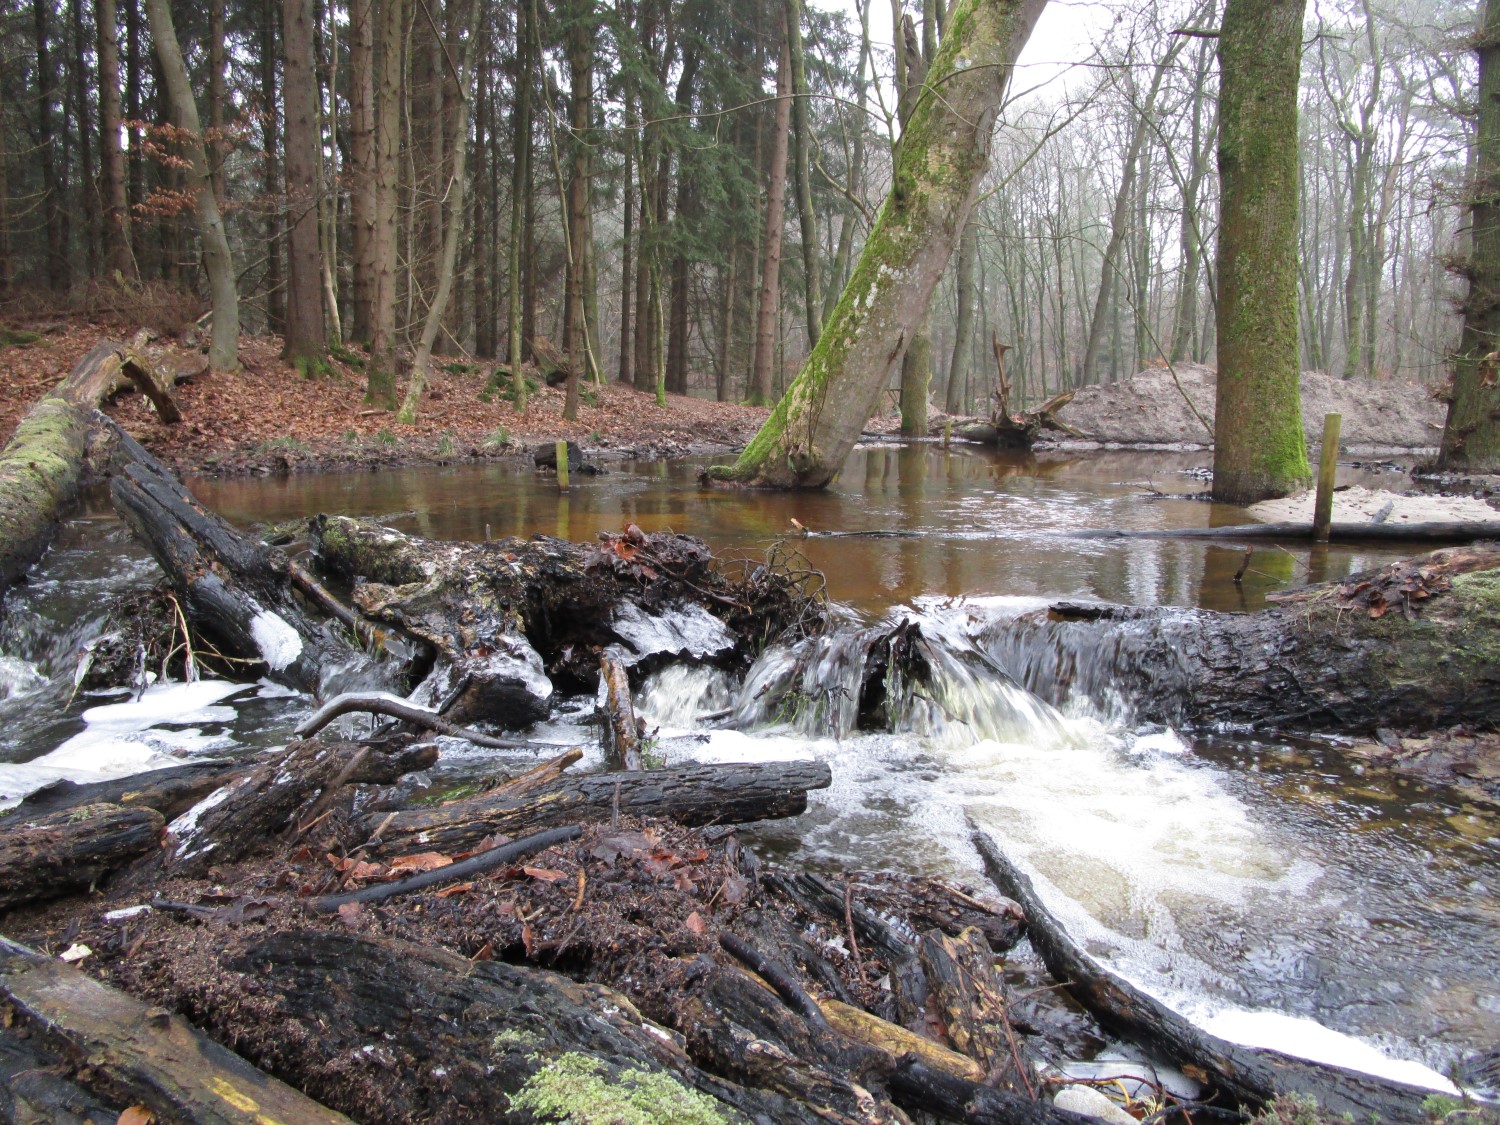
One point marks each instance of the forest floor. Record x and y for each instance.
(268, 418)
(1149, 409)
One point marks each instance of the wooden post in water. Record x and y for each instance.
(1327, 469)
(947, 432)
(562, 466)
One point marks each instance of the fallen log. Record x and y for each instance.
(58, 853)
(1247, 1074)
(236, 590)
(969, 998)
(35, 1088)
(1439, 532)
(42, 467)
(120, 1045)
(622, 737)
(690, 795)
(1411, 645)
(255, 808)
(170, 791)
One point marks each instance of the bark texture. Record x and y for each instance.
(1259, 451)
(1471, 438)
(943, 153)
(59, 853)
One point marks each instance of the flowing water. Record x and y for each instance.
(1270, 890)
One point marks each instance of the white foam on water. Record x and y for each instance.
(676, 696)
(19, 678)
(120, 739)
(1308, 1039)
(278, 642)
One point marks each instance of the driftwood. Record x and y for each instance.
(1246, 1074)
(622, 737)
(148, 1055)
(233, 820)
(1408, 645)
(691, 795)
(394, 707)
(1015, 429)
(61, 852)
(236, 590)
(42, 466)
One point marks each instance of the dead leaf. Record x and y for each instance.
(695, 924)
(456, 889)
(545, 874)
(421, 861)
(350, 912)
(136, 1115)
(736, 887)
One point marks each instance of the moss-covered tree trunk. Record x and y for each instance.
(943, 154)
(1471, 439)
(1258, 445)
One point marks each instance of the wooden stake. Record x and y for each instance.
(562, 466)
(1327, 470)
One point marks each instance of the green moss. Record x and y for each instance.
(573, 1089)
(312, 366)
(511, 1038)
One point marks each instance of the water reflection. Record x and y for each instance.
(988, 521)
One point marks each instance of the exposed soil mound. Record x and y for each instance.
(1148, 409)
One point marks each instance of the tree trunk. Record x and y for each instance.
(813, 428)
(112, 163)
(580, 50)
(88, 180)
(520, 178)
(381, 386)
(54, 207)
(802, 129)
(362, 163)
(42, 467)
(963, 329)
(761, 381)
(1259, 449)
(1471, 438)
(271, 169)
(223, 351)
(306, 330)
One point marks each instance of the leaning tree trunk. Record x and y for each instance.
(223, 350)
(42, 468)
(1471, 439)
(1259, 450)
(1412, 645)
(943, 154)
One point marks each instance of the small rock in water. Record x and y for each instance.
(1091, 1103)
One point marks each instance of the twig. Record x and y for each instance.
(859, 965)
(474, 865)
(383, 703)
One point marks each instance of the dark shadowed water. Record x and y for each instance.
(1248, 882)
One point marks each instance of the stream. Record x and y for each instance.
(1275, 892)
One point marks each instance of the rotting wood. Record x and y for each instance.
(58, 853)
(1247, 1074)
(160, 1061)
(254, 809)
(691, 795)
(970, 1000)
(622, 737)
(42, 466)
(474, 865)
(917, 1084)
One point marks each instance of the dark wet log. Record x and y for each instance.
(511, 617)
(918, 1085)
(237, 590)
(622, 737)
(255, 808)
(394, 707)
(58, 853)
(474, 865)
(169, 791)
(537, 776)
(691, 795)
(970, 1001)
(144, 1055)
(1414, 533)
(35, 1087)
(1246, 1074)
(481, 1034)
(42, 466)
(1411, 645)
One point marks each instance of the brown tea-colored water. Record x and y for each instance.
(981, 522)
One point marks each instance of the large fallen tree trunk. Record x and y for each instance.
(42, 467)
(143, 1055)
(1247, 1074)
(1414, 644)
(59, 853)
(237, 590)
(691, 795)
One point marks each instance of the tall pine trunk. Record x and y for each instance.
(381, 388)
(761, 384)
(306, 330)
(112, 156)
